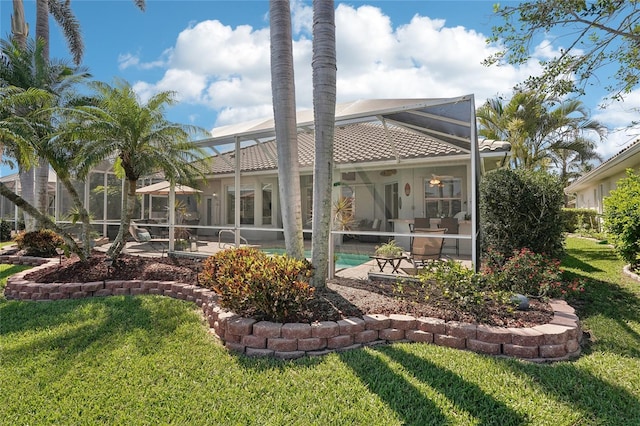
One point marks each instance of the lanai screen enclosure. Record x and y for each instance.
(451, 121)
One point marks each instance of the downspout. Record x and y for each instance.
(172, 217)
(236, 219)
(475, 180)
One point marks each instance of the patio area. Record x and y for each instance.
(353, 258)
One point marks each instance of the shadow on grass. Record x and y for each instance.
(571, 261)
(77, 328)
(597, 253)
(606, 310)
(407, 400)
(602, 402)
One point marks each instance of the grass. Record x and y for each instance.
(149, 360)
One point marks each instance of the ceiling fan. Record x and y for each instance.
(437, 179)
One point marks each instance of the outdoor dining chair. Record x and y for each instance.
(426, 246)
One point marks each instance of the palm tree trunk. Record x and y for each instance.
(284, 110)
(28, 208)
(128, 206)
(41, 176)
(19, 27)
(324, 109)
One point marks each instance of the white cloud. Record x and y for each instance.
(227, 69)
(619, 116)
(129, 60)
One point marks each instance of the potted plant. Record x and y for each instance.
(389, 250)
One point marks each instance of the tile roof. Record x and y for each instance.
(354, 143)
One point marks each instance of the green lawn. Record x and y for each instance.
(149, 360)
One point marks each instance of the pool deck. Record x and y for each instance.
(204, 248)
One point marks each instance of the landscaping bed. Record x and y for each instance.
(343, 298)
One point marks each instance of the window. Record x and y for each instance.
(267, 212)
(443, 196)
(247, 204)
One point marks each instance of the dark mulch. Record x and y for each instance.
(342, 298)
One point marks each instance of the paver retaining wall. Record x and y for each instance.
(558, 340)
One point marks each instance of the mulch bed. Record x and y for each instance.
(341, 299)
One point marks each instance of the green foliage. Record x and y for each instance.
(465, 289)
(521, 208)
(389, 249)
(597, 33)
(5, 230)
(41, 243)
(530, 273)
(577, 220)
(622, 218)
(251, 283)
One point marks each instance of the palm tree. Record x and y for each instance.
(20, 124)
(534, 125)
(25, 73)
(34, 181)
(324, 108)
(140, 139)
(284, 111)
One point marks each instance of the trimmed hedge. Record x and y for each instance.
(576, 219)
(521, 209)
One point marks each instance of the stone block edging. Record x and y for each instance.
(558, 340)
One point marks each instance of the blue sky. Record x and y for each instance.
(215, 55)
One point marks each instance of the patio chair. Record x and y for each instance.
(418, 223)
(452, 226)
(142, 235)
(426, 247)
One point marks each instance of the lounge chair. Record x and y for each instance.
(426, 246)
(142, 235)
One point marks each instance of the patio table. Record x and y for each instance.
(383, 261)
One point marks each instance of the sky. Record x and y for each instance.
(215, 55)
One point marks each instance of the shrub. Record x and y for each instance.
(5, 230)
(577, 220)
(529, 273)
(41, 243)
(622, 218)
(461, 287)
(521, 208)
(251, 283)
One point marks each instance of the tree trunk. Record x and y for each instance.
(128, 206)
(19, 27)
(20, 31)
(324, 112)
(41, 178)
(28, 208)
(284, 111)
(26, 192)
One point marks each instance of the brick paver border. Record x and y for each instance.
(558, 340)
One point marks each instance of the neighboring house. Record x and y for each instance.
(592, 188)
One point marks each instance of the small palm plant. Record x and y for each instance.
(343, 213)
(389, 250)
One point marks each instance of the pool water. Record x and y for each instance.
(343, 260)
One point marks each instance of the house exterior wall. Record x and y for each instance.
(593, 195)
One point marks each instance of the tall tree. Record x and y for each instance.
(34, 89)
(536, 125)
(284, 112)
(61, 11)
(598, 34)
(324, 110)
(140, 139)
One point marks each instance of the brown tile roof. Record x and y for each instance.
(355, 143)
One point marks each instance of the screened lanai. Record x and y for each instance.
(445, 128)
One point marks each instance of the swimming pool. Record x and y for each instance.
(343, 260)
